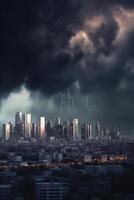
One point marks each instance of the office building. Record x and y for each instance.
(18, 124)
(57, 121)
(70, 131)
(98, 130)
(42, 129)
(86, 132)
(7, 131)
(75, 129)
(27, 125)
(18, 118)
(66, 130)
(34, 130)
(49, 129)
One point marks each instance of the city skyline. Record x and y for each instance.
(50, 108)
(56, 130)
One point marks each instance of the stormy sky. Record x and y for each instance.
(81, 51)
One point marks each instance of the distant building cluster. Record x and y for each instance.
(25, 128)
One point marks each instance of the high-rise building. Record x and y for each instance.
(75, 129)
(7, 131)
(57, 121)
(66, 130)
(83, 131)
(49, 129)
(107, 131)
(18, 124)
(42, 129)
(114, 133)
(27, 125)
(106, 135)
(98, 130)
(86, 131)
(34, 130)
(18, 118)
(23, 124)
(90, 131)
(59, 131)
(70, 131)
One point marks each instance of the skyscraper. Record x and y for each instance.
(18, 124)
(18, 118)
(75, 129)
(49, 129)
(7, 131)
(66, 130)
(34, 130)
(42, 129)
(90, 131)
(98, 130)
(27, 125)
(57, 121)
(70, 131)
(114, 133)
(86, 131)
(59, 131)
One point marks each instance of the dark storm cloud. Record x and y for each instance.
(33, 38)
(35, 42)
